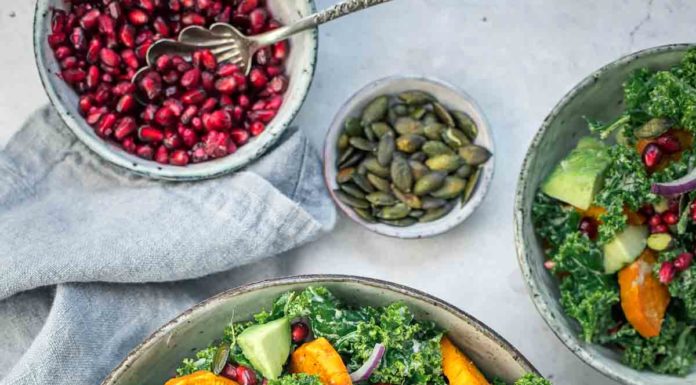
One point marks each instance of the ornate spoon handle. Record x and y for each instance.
(339, 10)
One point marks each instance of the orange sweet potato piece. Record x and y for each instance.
(318, 357)
(201, 377)
(593, 212)
(644, 299)
(457, 367)
(634, 218)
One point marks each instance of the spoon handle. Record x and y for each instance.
(339, 10)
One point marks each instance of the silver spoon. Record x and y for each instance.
(230, 45)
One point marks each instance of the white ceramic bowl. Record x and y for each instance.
(448, 95)
(157, 358)
(300, 67)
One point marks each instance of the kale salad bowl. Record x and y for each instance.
(604, 218)
(314, 330)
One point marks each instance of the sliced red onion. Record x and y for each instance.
(365, 371)
(680, 186)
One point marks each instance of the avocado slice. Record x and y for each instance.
(267, 346)
(580, 175)
(624, 248)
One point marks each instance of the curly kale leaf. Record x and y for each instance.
(587, 294)
(202, 361)
(552, 220)
(296, 379)
(527, 379)
(672, 352)
(683, 287)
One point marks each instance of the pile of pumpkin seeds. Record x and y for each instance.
(407, 159)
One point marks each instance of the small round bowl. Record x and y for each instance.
(300, 68)
(155, 360)
(599, 96)
(452, 98)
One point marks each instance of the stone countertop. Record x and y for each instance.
(517, 58)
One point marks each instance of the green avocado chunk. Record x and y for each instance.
(624, 248)
(267, 346)
(580, 175)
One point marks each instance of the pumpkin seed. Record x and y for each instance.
(418, 169)
(453, 186)
(435, 214)
(434, 148)
(415, 97)
(345, 174)
(466, 124)
(369, 134)
(363, 144)
(416, 213)
(406, 126)
(365, 215)
(343, 142)
(455, 138)
(362, 182)
(351, 200)
(405, 222)
(380, 129)
(392, 116)
(352, 127)
(373, 166)
(401, 173)
(653, 128)
(433, 131)
(471, 184)
(352, 190)
(430, 118)
(474, 155)
(376, 110)
(444, 163)
(409, 143)
(400, 109)
(222, 354)
(411, 200)
(418, 156)
(386, 148)
(464, 171)
(353, 160)
(397, 211)
(432, 203)
(381, 198)
(345, 155)
(418, 112)
(442, 114)
(429, 183)
(380, 184)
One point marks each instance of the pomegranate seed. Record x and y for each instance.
(218, 120)
(114, 10)
(208, 81)
(89, 20)
(174, 5)
(130, 59)
(150, 134)
(659, 229)
(92, 77)
(647, 210)
(181, 158)
(58, 21)
(683, 261)
(226, 100)
(246, 376)
(258, 78)
(165, 117)
(73, 76)
(161, 27)
(127, 35)
(56, 39)
(257, 128)
(63, 52)
(229, 371)
(191, 78)
(162, 155)
(188, 114)
(163, 63)
(197, 123)
(668, 143)
(264, 116)
(243, 101)
(273, 71)
(209, 105)
(145, 151)
(208, 60)
(129, 145)
(652, 155)
(125, 127)
(109, 57)
(176, 106)
(670, 218)
(226, 85)
(69, 62)
(278, 84)
(263, 56)
(260, 105)
(215, 144)
(655, 220)
(77, 38)
(138, 17)
(275, 102)
(85, 103)
(147, 5)
(151, 85)
(550, 265)
(231, 147)
(588, 226)
(238, 113)
(189, 137)
(667, 272)
(198, 153)
(227, 70)
(94, 117)
(246, 6)
(239, 136)
(192, 19)
(171, 140)
(280, 50)
(258, 18)
(106, 125)
(107, 25)
(193, 97)
(123, 88)
(300, 331)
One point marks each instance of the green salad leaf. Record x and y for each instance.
(527, 379)
(553, 221)
(296, 379)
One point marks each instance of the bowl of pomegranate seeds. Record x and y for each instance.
(199, 118)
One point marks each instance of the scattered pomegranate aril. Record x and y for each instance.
(550, 264)
(145, 151)
(280, 50)
(138, 17)
(655, 220)
(652, 155)
(258, 78)
(668, 143)
(257, 19)
(670, 218)
(129, 145)
(191, 78)
(683, 261)
(89, 20)
(150, 134)
(246, 376)
(124, 127)
(165, 117)
(588, 226)
(180, 158)
(226, 86)
(239, 136)
(667, 272)
(299, 332)
(193, 97)
(162, 155)
(661, 228)
(107, 25)
(127, 35)
(73, 76)
(126, 103)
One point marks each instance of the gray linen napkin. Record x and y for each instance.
(89, 253)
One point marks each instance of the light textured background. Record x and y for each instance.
(516, 57)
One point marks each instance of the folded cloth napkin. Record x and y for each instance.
(89, 253)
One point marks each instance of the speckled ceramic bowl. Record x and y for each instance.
(300, 67)
(156, 359)
(600, 97)
(451, 97)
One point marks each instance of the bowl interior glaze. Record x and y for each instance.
(599, 97)
(155, 360)
(448, 95)
(300, 69)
